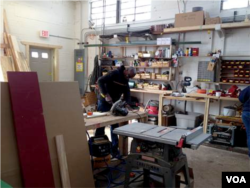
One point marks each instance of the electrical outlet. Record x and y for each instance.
(181, 72)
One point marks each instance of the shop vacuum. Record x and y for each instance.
(152, 107)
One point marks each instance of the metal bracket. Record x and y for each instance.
(220, 31)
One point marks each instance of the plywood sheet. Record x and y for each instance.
(63, 115)
(30, 130)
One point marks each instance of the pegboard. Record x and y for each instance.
(203, 74)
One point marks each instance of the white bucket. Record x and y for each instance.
(229, 111)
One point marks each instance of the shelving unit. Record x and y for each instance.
(235, 70)
(206, 27)
(153, 68)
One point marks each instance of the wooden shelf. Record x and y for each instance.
(140, 67)
(194, 56)
(151, 91)
(158, 67)
(115, 58)
(185, 99)
(211, 97)
(223, 83)
(154, 58)
(150, 79)
(206, 27)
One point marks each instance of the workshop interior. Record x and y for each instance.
(124, 93)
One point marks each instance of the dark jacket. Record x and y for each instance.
(115, 84)
(245, 98)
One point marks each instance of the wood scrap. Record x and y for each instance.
(5, 22)
(23, 61)
(62, 161)
(7, 64)
(19, 60)
(7, 51)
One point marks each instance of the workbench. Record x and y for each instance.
(104, 121)
(194, 97)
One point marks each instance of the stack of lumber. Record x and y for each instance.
(13, 59)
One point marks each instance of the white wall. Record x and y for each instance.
(237, 41)
(27, 18)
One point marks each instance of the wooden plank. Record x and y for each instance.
(123, 142)
(212, 97)
(6, 65)
(30, 130)
(5, 22)
(188, 29)
(185, 99)
(19, 59)
(206, 115)
(14, 54)
(62, 161)
(161, 100)
(110, 120)
(23, 61)
(8, 51)
(4, 46)
(207, 27)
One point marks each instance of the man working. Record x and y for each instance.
(112, 86)
(245, 99)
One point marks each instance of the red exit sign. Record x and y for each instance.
(44, 34)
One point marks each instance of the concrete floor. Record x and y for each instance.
(209, 163)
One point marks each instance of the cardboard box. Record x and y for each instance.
(189, 19)
(210, 21)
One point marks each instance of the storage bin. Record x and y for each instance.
(189, 120)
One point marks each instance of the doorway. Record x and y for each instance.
(51, 70)
(41, 61)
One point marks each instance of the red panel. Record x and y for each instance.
(30, 129)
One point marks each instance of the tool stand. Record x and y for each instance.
(158, 150)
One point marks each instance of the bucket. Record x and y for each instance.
(229, 111)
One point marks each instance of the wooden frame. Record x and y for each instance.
(55, 55)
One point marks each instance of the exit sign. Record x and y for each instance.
(44, 34)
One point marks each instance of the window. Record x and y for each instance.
(119, 11)
(103, 11)
(135, 10)
(231, 4)
(34, 54)
(45, 55)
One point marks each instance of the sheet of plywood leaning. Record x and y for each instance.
(63, 116)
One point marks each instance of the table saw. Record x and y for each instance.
(158, 150)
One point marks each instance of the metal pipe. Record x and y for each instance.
(57, 36)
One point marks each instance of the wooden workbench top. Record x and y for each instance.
(191, 99)
(212, 97)
(103, 121)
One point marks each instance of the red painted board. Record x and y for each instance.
(30, 129)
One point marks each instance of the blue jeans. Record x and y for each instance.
(103, 106)
(246, 121)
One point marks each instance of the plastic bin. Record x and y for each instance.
(189, 120)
